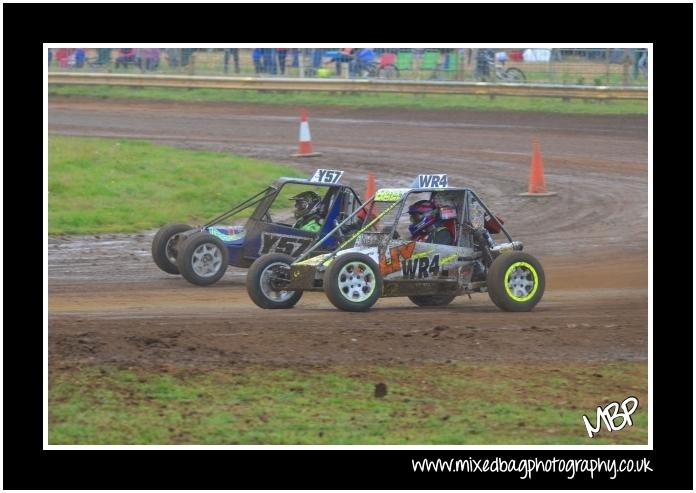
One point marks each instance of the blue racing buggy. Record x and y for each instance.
(201, 254)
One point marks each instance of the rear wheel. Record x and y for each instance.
(515, 282)
(353, 282)
(202, 259)
(267, 280)
(165, 246)
(432, 300)
(388, 72)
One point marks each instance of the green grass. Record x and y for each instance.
(106, 185)
(425, 404)
(425, 101)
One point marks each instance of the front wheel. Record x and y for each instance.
(202, 259)
(165, 246)
(432, 300)
(353, 282)
(514, 75)
(267, 280)
(515, 282)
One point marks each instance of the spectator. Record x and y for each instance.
(365, 57)
(483, 58)
(50, 56)
(234, 52)
(125, 57)
(295, 57)
(80, 56)
(151, 57)
(640, 62)
(62, 55)
(256, 55)
(282, 55)
(185, 56)
(345, 55)
(317, 56)
(103, 56)
(173, 57)
(268, 60)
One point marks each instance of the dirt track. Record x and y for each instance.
(109, 303)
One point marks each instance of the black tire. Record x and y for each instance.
(515, 75)
(339, 292)
(202, 259)
(432, 300)
(261, 287)
(165, 246)
(525, 286)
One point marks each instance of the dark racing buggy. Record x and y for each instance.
(201, 254)
(383, 260)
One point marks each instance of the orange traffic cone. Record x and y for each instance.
(537, 185)
(370, 190)
(305, 149)
(371, 186)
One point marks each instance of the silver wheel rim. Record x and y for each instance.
(266, 283)
(170, 248)
(356, 281)
(521, 282)
(206, 259)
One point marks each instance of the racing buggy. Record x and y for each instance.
(381, 259)
(201, 254)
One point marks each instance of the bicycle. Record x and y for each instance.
(511, 74)
(380, 70)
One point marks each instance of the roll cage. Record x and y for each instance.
(395, 201)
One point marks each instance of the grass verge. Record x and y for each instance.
(526, 403)
(425, 101)
(106, 185)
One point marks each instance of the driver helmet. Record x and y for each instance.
(424, 214)
(306, 203)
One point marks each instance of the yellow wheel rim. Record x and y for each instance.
(521, 281)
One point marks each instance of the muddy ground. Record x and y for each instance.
(108, 302)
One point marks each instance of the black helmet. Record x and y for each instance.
(305, 203)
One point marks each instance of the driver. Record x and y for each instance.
(426, 224)
(307, 211)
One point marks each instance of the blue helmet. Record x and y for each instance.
(423, 215)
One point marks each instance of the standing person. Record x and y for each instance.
(50, 56)
(317, 56)
(234, 53)
(282, 55)
(483, 59)
(295, 57)
(152, 56)
(268, 60)
(80, 56)
(62, 57)
(638, 55)
(185, 56)
(173, 57)
(256, 55)
(103, 56)
(125, 56)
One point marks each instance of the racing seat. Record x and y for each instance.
(451, 225)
